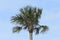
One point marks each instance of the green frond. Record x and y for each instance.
(41, 29)
(18, 19)
(25, 27)
(44, 29)
(39, 12)
(16, 29)
(37, 30)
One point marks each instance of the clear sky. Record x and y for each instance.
(50, 17)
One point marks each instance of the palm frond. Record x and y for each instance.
(41, 29)
(44, 28)
(39, 12)
(18, 19)
(37, 30)
(16, 29)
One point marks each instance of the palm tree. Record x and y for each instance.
(28, 18)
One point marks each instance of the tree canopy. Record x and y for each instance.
(29, 16)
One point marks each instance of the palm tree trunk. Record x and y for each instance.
(30, 34)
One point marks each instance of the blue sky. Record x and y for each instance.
(50, 17)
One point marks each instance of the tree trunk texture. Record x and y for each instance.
(30, 34)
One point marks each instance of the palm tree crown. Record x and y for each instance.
(28, 18)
